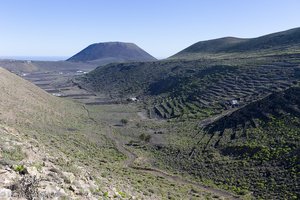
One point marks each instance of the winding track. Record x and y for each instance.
(131, 157)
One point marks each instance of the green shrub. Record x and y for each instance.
(105, 194)
(145, 137)
(122, 194)
(124, 121)
(15, 154)
(21, 169)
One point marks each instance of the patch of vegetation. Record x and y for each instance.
(13, 154)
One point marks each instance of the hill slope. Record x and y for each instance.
(21, 100)
(45, 142)
(108, 52)
(33, 127)
(289, 39)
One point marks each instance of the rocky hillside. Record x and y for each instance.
(109, 52)
(33, 125)
(46, 143)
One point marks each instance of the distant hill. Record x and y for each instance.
(213, 46)
(28, 66)
(275, 41)
(108, 52)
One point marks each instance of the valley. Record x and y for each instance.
(218, 120)
(70, 153)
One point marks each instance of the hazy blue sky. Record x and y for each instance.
(161, 27)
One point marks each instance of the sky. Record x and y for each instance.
(62, 28)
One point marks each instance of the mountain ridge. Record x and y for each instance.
(278, 40)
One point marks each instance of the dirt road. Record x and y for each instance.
(131, 157)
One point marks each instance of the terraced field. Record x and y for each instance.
(216, 92)
(59, 84)
(53, 77)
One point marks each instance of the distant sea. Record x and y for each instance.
(36, 58)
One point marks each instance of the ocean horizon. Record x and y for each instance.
(35, 58)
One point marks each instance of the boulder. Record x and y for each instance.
(5, 194)
(68, 177)
(7, 177)
(33, 172)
